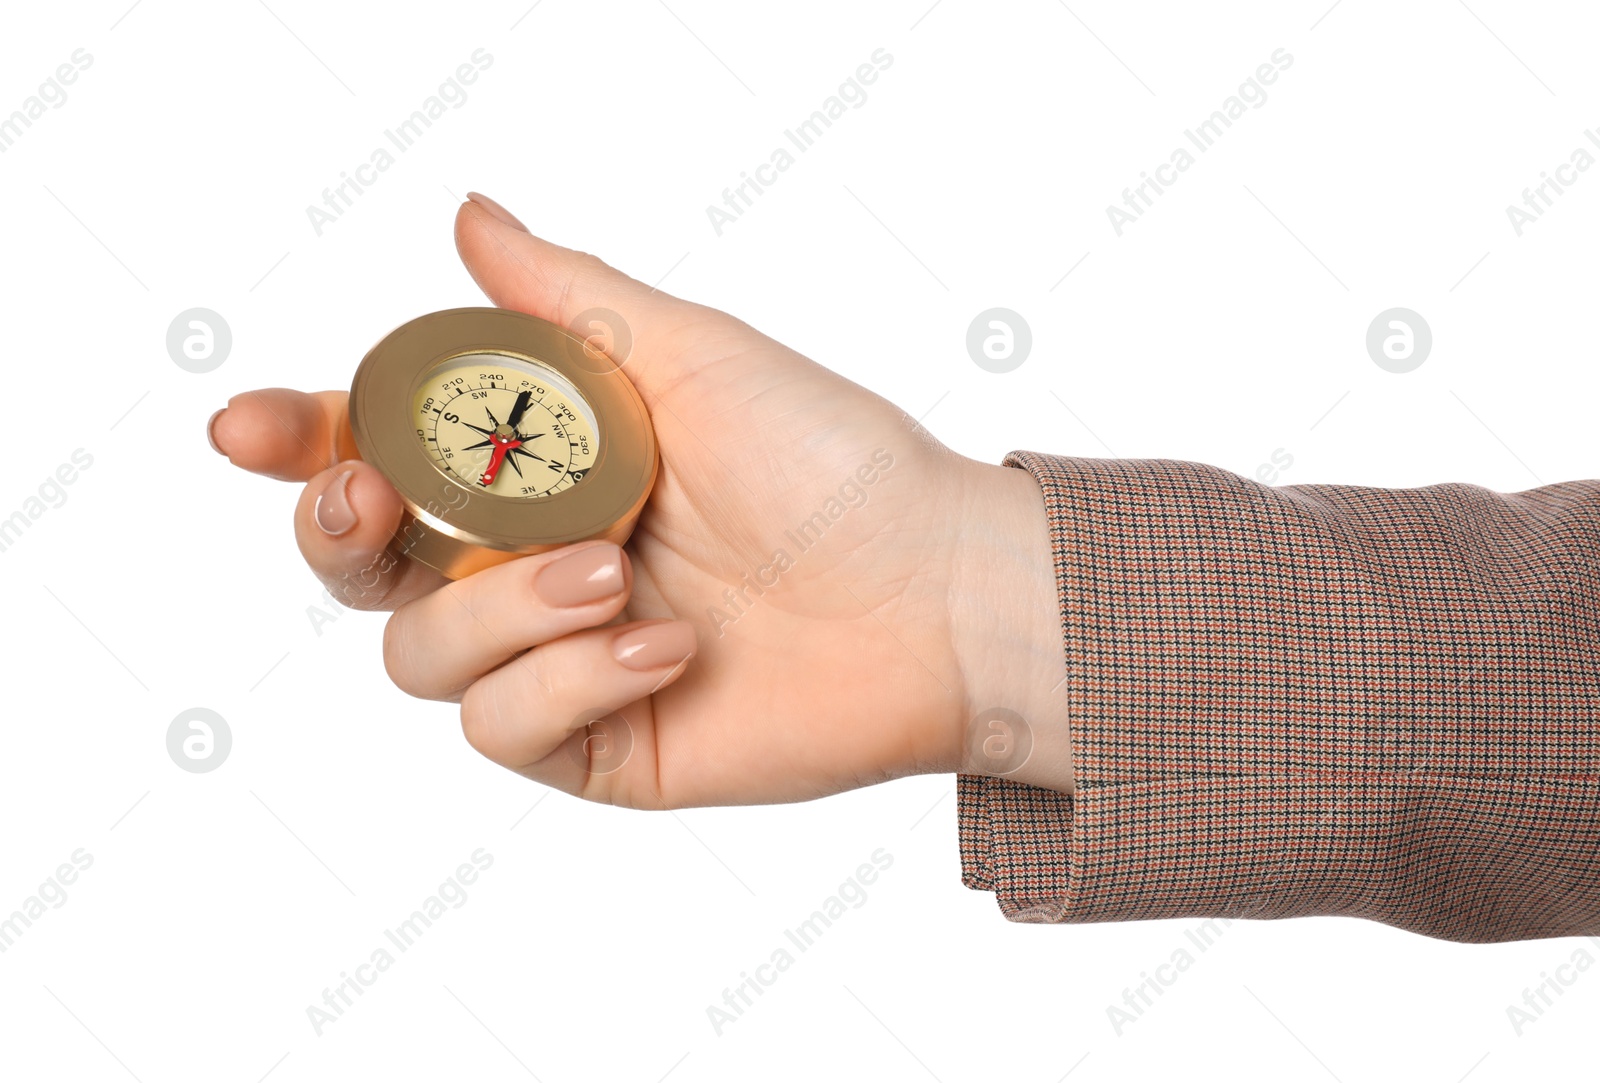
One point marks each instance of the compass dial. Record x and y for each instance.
(505, 425)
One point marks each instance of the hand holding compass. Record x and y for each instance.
(913, 587)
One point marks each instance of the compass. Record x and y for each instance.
(505, 435)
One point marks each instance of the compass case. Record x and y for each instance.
(457, 529)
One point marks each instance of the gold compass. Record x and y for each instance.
(504, 435)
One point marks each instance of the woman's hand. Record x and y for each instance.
(818, 595)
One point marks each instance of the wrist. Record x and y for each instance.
(1006, 632)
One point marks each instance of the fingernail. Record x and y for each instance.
(654, 645)
(498, 211)
(333, 512)
(211, 431)
(580, 578)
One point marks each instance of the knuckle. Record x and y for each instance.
(366, 588)
(588, 267)
(399, 655)
(481, 722)
(585, 272)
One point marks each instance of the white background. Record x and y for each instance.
(1227, 323)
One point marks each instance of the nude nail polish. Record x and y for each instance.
(211, 431)
(581, 578)
(654, 645)
(333, 512)
(499, 212)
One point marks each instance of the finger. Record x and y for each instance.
(344, 524)
(608, 757)
(284, 434)
(436, 645)
(520, 271)
(523, 711)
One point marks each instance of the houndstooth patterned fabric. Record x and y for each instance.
(1312, 699)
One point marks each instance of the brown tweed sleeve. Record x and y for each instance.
(1312, 699)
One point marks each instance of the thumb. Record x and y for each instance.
(637, 325)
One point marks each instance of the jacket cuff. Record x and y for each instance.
(1311, 700)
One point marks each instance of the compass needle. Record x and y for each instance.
(519, 408)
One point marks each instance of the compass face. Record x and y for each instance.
(505, 425)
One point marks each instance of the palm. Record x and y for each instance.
(798, 689)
